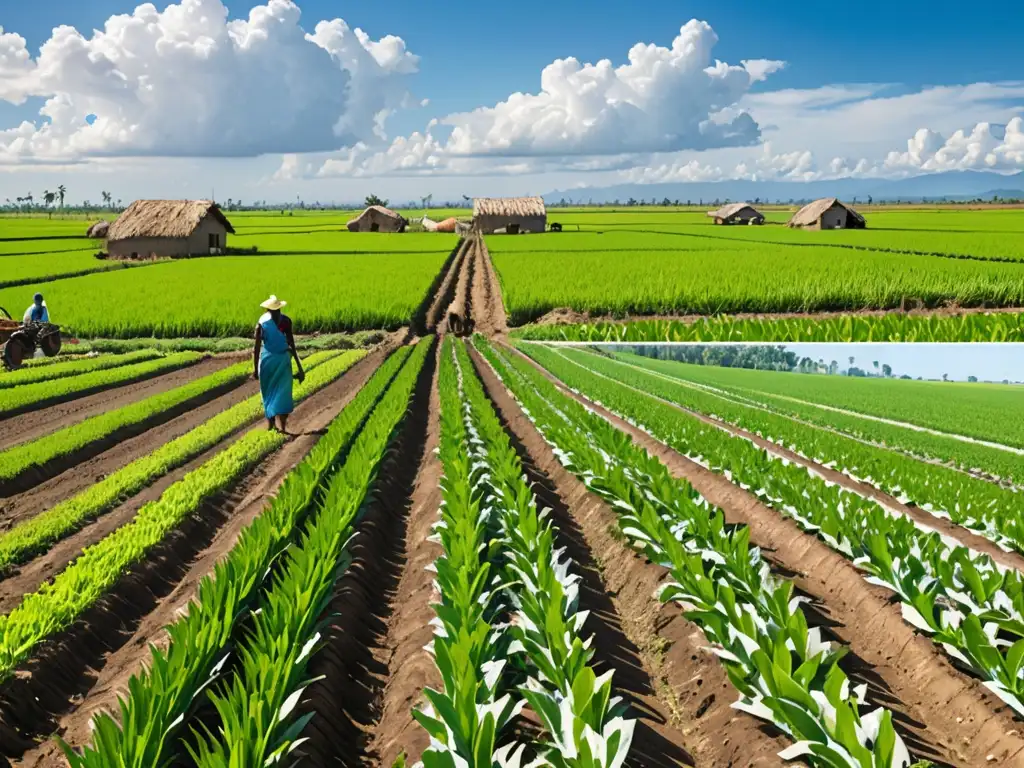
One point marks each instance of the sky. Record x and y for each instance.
(324, 100)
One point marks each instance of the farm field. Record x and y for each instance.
(158, 543)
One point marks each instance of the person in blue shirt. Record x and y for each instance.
(272, 360)
(37, 312)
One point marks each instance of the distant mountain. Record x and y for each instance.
(951, 185)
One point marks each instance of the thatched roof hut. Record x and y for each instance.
(737, 213)
(509, 214)
(98, 230)
(150, 228)
(377, 218)
(827, 213)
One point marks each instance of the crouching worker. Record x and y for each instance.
(272, 360)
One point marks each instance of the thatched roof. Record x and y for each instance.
(731, 210)
(810, 213)
(164, 218)
(378, 209)
(509, 206)
(98, 230)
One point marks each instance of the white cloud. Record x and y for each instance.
(987, 146)
(188, 81)
(663, 99)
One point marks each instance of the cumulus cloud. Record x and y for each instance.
(190, 81)
(986, 146)
(663, 99)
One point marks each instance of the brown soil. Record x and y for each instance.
(945, 714)
(39, 405)
(459, 313)
(435, 314)
(678, 690)
(569, 316)
(373, 663)
(81, 476)
(85, 669)
(488, 308)
(29, 426)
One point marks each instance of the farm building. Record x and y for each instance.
(737, 213)
(511, 215)
(168, 228)
(827, 213)
(98, 230)
(377, 218)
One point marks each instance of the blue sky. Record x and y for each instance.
(839, 91)
(993, 362)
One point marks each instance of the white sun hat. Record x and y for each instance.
(273, 303)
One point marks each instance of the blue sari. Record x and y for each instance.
(275, 370)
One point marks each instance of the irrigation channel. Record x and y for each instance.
(368, 663)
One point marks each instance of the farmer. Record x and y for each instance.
(273, 363)
(36, 312)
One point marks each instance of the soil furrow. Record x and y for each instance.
(434, 315)
(80, 477)
(85, 669)
(29, 426)
(372, 660)
(459, 318)
(677, 685)
(947, 715)
(488, 307)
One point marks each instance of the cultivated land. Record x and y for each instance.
(467, 551)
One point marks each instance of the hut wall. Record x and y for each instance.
(834, 218)
(145, 247)
(199, 241)
(489, 223)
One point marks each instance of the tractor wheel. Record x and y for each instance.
(17, 349)
(50, 344)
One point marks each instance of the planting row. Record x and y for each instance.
(59, 370)
(29, 456)
(991, 511)
(894, 327)
(39, 533)
(240, 653)
(43, 393)
(508, 628)
(784, 672)
(967, 603)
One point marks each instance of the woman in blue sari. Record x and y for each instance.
(272, 359)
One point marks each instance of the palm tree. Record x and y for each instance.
(875, 363)
(61, 191)
(49, 197)
(106, 198)
(851, 364)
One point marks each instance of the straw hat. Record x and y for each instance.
(273, 303)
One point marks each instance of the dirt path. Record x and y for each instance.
(458, 315)
(945, 715)
(373, 662)
(679, 689)
(29, 426)
(435, 315)
(488, 308)
(86, 668)
(83, 475)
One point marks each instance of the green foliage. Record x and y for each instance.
(36, 373)
(36, 534)
(41, 393)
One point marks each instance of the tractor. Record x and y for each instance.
(20, 340)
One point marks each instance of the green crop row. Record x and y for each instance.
(38, 395)
(966, 602)
(894, 327)
(35, 374)
(630, 274)
(161, 696)
(992, 412)
(56, 264)
(324, 293)
(21, 458)
(258, 724)
(983, 507)
(967, 456)
(519, 616)
(58, 603)
(40, 532)
(785, 673)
